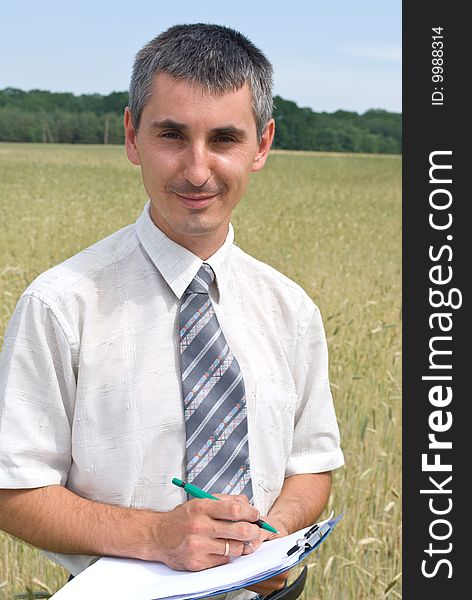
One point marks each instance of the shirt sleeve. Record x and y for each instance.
(316, 442)
(37, 391)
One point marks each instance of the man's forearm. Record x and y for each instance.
(301, 500)
(195, 535)
(56, 519)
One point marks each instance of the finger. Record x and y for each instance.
(271, 536)
(240, 530)
(227, 519)
(230, 510)
(207, 562)
(241, 498)
(202, 553)
(253, 545)
(228, 547)
(266, 535)
(250, 547)
(238, 497)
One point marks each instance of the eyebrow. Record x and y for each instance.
(168, 124)
(224, 130)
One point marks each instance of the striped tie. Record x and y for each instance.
(214, 397)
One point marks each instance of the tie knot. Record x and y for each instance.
(200, 284)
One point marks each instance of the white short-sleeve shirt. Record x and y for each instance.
(90, 384)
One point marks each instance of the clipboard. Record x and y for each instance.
(311, 540)
(131, 579)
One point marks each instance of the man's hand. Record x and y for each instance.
(194, 535)
(274, 583)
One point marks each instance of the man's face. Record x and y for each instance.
(196, 151)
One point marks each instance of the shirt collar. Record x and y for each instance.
(177, 265)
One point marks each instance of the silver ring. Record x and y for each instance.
(226, 548)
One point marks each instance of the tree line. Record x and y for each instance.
(51, 117)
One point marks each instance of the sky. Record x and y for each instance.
(327, 55)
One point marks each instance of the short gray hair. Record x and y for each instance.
(218, 58)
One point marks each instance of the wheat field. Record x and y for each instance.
(332, 223)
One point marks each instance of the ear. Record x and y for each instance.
(130, 138)
(264, 146)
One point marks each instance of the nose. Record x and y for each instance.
(197, 168)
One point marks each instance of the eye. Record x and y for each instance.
(225, 139)
(171, 135)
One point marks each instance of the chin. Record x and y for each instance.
(199, 225)
(199, 230)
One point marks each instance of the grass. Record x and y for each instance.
(330, 222)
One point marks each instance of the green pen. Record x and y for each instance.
(196, 492)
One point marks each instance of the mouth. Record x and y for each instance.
(196, 202)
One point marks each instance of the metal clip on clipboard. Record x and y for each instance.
(313, 537)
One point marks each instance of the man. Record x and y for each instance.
(109, 355)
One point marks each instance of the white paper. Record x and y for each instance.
(131, 579)
(122, 578)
